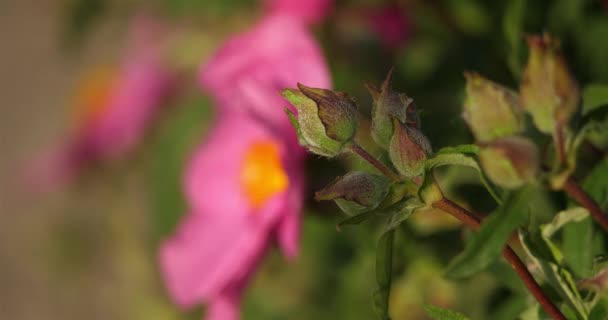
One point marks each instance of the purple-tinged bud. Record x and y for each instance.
(356, 192)
(389, 104)
(408, 149)
(326, 122)
(548, 91)
(491, 110)
(510, 162)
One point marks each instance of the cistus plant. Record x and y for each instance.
(516, 168)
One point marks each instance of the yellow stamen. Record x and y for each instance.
(93, 95)
(262, 174)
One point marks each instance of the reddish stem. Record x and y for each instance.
(375, 162)
(574, 190)
(474, 223)
(560, 144)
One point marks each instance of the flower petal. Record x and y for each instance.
(211, 253)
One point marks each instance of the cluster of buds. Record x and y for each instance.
(396, 128)
(326, 123)
(495, 113)
(494, 116)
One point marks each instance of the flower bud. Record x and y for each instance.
(491, 110)
(356, 192)
(408, 149)
(548, 91)
(326, 122)
(510, 162)
(387, 105)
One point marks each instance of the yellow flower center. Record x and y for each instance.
(262, 175)
(93, 95)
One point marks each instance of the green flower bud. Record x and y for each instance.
(548, 91)
(408, 149)
(387, 105)
(491, 110)
(356, 192)
(510, 162)
(326, 122)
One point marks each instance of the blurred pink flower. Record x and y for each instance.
(244, 186)
(247, 73)
(113, 109)
(309, 11)
(391, 24)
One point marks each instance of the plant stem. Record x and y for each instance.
(355, 148)
(560, 144)
(574, 190)
(572, 187)
(474, 223)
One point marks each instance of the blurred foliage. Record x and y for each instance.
(334, 276)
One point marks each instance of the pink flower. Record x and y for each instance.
(113, 109)
(244, 186)
(247, 73)
(391, 25)
(309, 11)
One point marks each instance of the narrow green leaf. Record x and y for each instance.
(578, 239)
(437, 313)
(486, 245)
(463, 148)
(384, 266)
(594, 97)
(577, 214)
(548, 258)
(459, 159)
(580, 236)
(595, 132)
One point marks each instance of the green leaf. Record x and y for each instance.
(463, 148)
(600, 310)
(548, 258)
(594, 97)
(594, 131)
(486, 245)
(577, 214)
(444, 157)
(596, 183)
(578, 245)
(384, 266)
(405, 211)
(577, 238)
(513, 29)
(356, 219)
(437, 313)
(397, 210)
